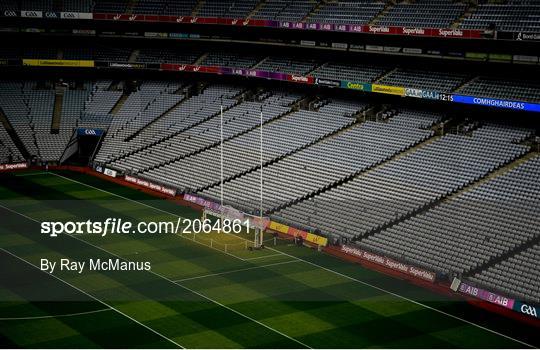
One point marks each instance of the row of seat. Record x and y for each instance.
(515, 16)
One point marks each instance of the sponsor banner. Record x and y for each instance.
(84, 31)
(328, 82)
(297, 233)
(480, 56)
(190, 68)
(449, 33)
(228, 212)
(178, 35)
(412, 50)
(51, 15)
(292, 25)
(500, 57)
(374, 48)
(153, 186)
(391, 49)
(110, 172)
(307, 43)
(320, 26)
(455, 54)
(276, 226)
(455, 284)
(492, 102)
(291, 231)
(300, 79)
(355, 47)
(527, 36)
(341, 46)
(350, 28)
(244, 72)
(344, 28)
(319, 240)
(15, 166)
(32, 30)
(32, 14)
(85, 15)
(390, 263)
(89, 132)
(99, 169)
(414, 31)
(525, 58)
(58, 63)
(527, 309)
(155, 35)
(203, 202)
(386, 89)
(380, 30)
(127, 65)
(76, 15)
(456, 33)
(254, 73)
(355, 86)
(9, 13)
(486, 295)
(69, 15)
(427, 94)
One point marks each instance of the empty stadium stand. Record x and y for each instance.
(524, 89)
(509, 15)
(461, 204)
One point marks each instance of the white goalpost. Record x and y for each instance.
(258, 241)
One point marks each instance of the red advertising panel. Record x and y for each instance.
(16, 166)
(300, 79)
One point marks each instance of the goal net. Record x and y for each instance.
(233, 221)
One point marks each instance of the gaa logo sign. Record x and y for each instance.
(9, 13)
(528, 310)
(90, 132)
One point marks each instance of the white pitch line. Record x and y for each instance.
(237, 270)
(208, 246)
(53, 316)
(337, 273)
(201, 295)
(410, 300)
(165, 278)
(263, 256)
(88, 294)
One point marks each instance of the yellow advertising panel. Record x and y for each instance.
(390, 90)
(316, 239)
(276, 226)
(57, 63)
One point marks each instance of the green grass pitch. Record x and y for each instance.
(198, 297)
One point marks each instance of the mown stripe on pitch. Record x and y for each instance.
(250, 328)
(392, 284)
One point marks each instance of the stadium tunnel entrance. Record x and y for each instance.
(82, 147)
